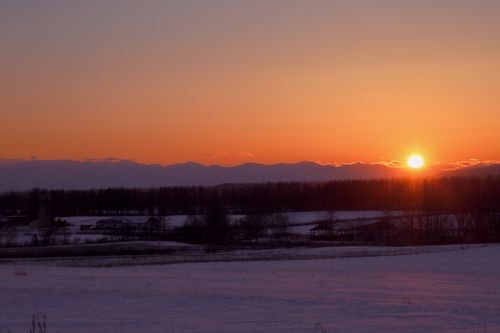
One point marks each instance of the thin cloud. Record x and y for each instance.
(472, 162)
(391, 163)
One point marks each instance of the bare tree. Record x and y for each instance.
(279, 226)
(254, 226)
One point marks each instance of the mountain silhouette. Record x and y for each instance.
(67, 174)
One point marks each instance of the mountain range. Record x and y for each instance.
(68, 174)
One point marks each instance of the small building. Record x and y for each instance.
(323, 231)
(110, 225)
(154, 224)
(86, 227)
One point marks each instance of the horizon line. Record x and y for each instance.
(393, 164)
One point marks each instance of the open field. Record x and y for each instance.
(452, 291)
(300, 224)
(161, 253)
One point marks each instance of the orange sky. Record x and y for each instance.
(228, 82)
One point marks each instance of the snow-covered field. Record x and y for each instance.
(452, 291)
(72, 234)
(293, 217)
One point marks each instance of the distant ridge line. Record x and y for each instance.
(68, 174)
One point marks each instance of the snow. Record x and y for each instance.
(305, 217)
(293, 217)
(453, 291)
(24, 236)
(189, 253)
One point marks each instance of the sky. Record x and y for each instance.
(228, 82)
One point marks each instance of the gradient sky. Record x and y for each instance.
(231, 81)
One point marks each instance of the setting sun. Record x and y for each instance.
(415, 161)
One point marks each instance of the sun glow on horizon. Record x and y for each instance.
(415, 161)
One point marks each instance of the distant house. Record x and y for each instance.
(110, 225)
(381, 231)
(323, 231)
(86, 227)
(345, 234)
(329, 231)
(152, 225)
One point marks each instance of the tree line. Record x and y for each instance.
(432, 195)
